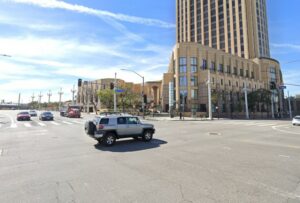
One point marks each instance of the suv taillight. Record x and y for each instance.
(100, 126)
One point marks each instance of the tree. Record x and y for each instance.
(128, 98)
(106, 98)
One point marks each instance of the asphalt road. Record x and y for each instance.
(188, 161)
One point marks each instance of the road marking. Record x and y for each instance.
(284, 131)
(54, 123)
(79, 122)
(41, 124)
(28, 125)
(1, 151)
(67, 123)
(13, 125)
(265, 125)
(284, 156)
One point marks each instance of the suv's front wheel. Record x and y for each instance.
(109, 139)
(147, 136)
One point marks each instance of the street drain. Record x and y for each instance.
(214, 133)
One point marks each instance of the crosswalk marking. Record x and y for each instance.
(54, 123)
(41, 124)
(67, 123)
(28, 125)
(13, 125)
(79, 122)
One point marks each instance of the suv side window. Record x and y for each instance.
(122, 121)
(104, 121)
(132, 120)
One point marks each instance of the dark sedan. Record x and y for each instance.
(46, 116)
(23, 116)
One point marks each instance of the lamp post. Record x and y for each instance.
(209, 95)
(143, 88)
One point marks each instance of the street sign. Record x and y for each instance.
(282, 87)
(120, 90)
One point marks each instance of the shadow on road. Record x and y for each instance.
(131, 145)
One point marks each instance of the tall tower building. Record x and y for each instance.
(238, 27)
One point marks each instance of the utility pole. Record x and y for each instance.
(32, 97)
(115, 95)
(73, 95)
(40, 99)
(246, 101)
(209, 96)
(272, 104)
(19, 100)
(49, 96)
(290, 107)
(60, 93)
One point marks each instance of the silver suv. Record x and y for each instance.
(106, 129)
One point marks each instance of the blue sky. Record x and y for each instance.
(53, 43)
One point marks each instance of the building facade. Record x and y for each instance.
(224, 42)
(238, 27)
(87, 94)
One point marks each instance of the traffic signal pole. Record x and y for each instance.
(115, 94)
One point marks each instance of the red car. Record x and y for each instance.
(23, 116)
(74, 113)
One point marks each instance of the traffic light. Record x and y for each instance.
(145, 98)
(273, 85)
(79, 82)
(112, 86)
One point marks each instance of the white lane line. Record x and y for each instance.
(284, 131)
(265, 125)
(41, 124)
(28, 125)
(54, 123)
(284, 156)
(79, 122)
(1, 151)
(67, 123)
(13, 125)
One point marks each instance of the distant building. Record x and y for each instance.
(87, 92)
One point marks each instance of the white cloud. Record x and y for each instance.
(286, 45)
(38, 26)
(95, 12)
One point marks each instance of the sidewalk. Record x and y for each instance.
(150, 118)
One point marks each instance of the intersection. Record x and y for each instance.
(187, 161)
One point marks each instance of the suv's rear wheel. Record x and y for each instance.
(147, 136)
(90, 128)
(109, 139)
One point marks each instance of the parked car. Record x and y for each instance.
(106, 129)
(32, 113)
(23, 116)
(296, 120)
(46, 116)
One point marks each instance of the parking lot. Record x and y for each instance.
(187, 161)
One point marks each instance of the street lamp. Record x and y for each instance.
(143, 88)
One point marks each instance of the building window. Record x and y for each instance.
(194, 81)
(229, 69)
(194, 61)
(204, 64)
(182, 65)
(182, 81)
(221, 68)
(182, 61)
(247, 73)
(235, 70)
(252, 75)
(183, 97)
(193, 65)
(241, 72)
(272, 74)
(213, 66)
(237, 84)
(229, 83)
(194, 94)
(221, 81)
(182, 69)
